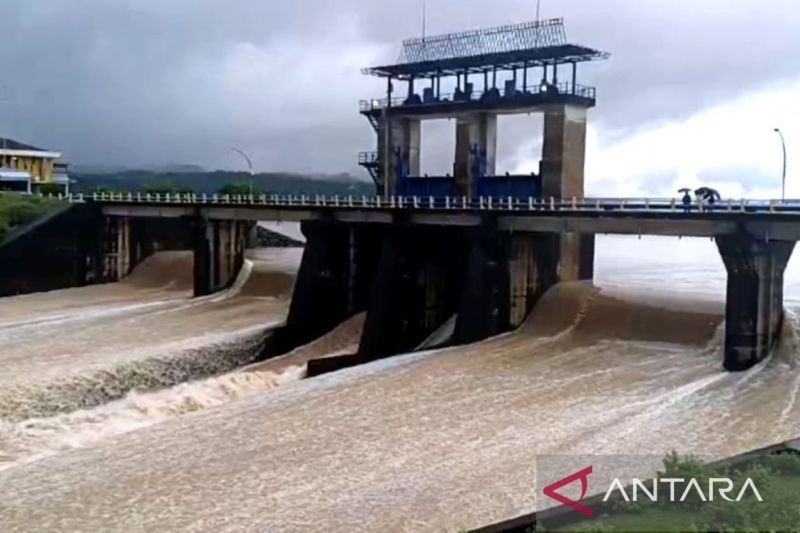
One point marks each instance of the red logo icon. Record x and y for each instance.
(583, 475)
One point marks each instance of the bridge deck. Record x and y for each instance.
(771, 220)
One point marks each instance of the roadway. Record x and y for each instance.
(764, 219)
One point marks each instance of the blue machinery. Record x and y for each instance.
(492, 73)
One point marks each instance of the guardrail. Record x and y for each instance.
(438, 203)
(367, 158)
(562, 88)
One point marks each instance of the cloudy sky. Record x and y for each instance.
(691, 94)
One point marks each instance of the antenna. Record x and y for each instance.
(538, 28)
(424, 23)
(424, 17)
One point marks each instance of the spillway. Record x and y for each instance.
(77, 348)
(439, 439)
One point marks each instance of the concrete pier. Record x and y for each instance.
(754, 302)
(218, 253)
(334, 281)
(417, 287)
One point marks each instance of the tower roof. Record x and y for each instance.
(503, 47)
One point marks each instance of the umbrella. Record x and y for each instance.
(685, 190)
(708, 193)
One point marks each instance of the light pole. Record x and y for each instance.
(249, 166)
(783, 179)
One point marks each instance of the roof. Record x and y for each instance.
(527, 44)
(12, 147)
(11, 144)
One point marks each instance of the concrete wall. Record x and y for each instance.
(59, 251)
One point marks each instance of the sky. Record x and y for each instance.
(690, 95)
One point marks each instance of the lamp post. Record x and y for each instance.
(249, 166)
(783, 178)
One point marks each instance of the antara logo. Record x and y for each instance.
(723, 486)
(717, 486)
(583, 476)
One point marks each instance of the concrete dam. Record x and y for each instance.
(404, 370)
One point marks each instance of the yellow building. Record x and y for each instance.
(29, 166)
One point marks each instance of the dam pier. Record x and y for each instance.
(474, 247)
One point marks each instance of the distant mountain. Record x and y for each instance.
(212, 182)
(115, 169)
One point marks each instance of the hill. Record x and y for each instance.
(212, 182)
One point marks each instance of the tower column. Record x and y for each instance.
(476, 149)
(403, 140)
(754, 301)
(563, 152)
(561, 170)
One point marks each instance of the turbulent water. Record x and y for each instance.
(435, 441)
(78, 348)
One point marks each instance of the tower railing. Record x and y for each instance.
(488, 96)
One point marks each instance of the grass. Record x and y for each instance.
(18, 209)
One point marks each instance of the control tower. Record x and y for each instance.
(516, 69)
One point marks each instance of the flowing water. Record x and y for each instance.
(79, 348)
(433, 441)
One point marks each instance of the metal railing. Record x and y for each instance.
(438, 203)
(562, 88)
(367, 158)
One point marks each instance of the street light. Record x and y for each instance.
(783, 179)
(249, 166)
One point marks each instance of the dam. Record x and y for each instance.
(472, 245)
(556, 339)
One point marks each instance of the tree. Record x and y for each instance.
(239, 188)
(163, 187)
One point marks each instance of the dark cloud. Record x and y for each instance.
(153, 81)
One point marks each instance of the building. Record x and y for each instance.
(528, 68)
(26, 167)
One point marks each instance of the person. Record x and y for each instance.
(687, 202)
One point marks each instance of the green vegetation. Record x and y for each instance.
(164, 187)
(18, 209)
(214, 182)
(239, 188)
(49, 188)
(777, 477)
